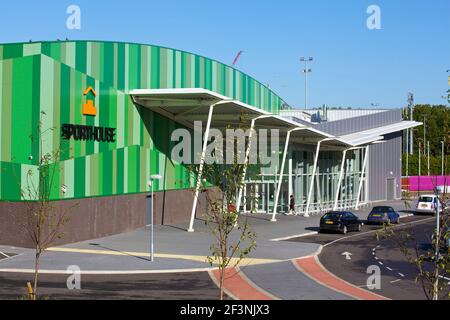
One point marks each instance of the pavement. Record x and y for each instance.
(173, 286)
(271, 271)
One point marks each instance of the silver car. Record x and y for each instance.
(428, 204)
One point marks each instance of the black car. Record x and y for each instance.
(340, 221)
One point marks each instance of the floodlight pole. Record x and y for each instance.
(306, 71)
(442, 164)
(411, 108)
(424, 133)
(407, 153)
(420, 165)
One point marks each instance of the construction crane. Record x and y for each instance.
(237, 58)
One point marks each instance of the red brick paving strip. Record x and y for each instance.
(238, 286)
(314, 269)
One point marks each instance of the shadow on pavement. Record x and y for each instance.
(122, 252)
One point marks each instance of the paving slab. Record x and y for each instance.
(178, 249)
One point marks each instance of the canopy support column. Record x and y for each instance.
(363, 177)
(280, 179)
(290, 188)
(247, 156)
(200, 171)
(341, 176)
(313, 176)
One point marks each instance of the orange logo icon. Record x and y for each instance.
(89, 108)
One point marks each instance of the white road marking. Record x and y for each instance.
(390, 269)
(381, 263)
(110, 272)
(396, 280)
(401, 275)
(376, 258)
(348, 255)
(4, 254)
(313, 233)
(373, 253)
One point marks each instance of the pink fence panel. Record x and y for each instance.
(427, 183)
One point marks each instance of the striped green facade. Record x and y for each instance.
(48, 79)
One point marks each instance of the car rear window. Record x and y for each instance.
(380, 209)
(332, 215)
(425, 199)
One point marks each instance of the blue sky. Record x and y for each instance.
(353, 66)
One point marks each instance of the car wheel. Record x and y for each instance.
(359, 227)
(344, 230)
(397, 221)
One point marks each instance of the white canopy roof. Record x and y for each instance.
(188, 105)
(377, 134)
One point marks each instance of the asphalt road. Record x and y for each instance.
(397, 274)
(178, 286)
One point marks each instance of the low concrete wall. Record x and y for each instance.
(92, 218)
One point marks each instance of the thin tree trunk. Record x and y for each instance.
(222, 278)
(436, 267)
(36, 274)
(436, 281)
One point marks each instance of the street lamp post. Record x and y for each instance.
(306, 71)
(438, 221)
(428, 147)
(407, 149)
(420, 146)
(411, 117)
(424, 132)
(442, 152)
(151, 183)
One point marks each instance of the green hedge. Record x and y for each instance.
(435, 165)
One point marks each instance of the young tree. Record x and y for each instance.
(233, 238)
(44, 221)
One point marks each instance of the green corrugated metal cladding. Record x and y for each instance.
(50, 77)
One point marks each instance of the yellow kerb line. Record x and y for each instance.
(246, 261)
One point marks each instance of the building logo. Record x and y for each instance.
(88, 132)
(89, 108)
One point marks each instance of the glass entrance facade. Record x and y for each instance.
(298, 171)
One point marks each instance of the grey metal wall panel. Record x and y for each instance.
(331, 114)
(384, 159)
(347, 126)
